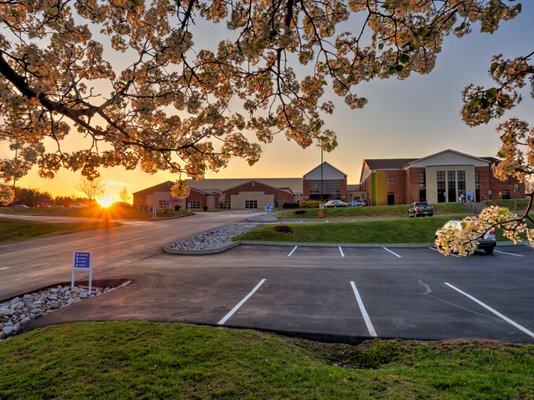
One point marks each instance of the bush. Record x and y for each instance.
(290, 205)
(283, 229)
(177, 207)
(299, 212)
(309, 204)
(205, 208)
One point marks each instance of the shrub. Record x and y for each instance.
(283, 229)
(205, 208)
(309, 204)
(290, 205)
(299, 212)
(177, 207)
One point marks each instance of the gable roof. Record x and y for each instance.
(388, 163)
(160, 187)
(328, 165)
(448, 151)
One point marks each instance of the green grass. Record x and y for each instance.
(371, 211)
(413, 230)
(141, 360)
(515, 204)
(96, 212)
(16, 230)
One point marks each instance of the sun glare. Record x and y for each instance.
(104, 202)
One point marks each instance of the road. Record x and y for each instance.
(334, 293)
(33, 264)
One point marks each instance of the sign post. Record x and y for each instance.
(82, 260)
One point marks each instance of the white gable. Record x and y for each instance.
(449, 157)
(329, 172)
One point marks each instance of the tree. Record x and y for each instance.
(517, 152)
(92, 188)
(124, 195)
(171, 107)
(6, 195)
(32, 197)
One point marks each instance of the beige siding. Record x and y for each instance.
(238, 200)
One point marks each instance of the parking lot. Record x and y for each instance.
(338, 293)
(368, 292)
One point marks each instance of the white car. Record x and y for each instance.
(486, 243)
(77, 205)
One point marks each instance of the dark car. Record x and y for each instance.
(420, 209)
(335, 203)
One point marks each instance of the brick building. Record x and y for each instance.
(437, 178)
(324, 181)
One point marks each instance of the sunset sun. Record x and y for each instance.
(104, 202)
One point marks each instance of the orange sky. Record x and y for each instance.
(414, 117)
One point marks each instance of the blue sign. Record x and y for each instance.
(82, 260)
(268, 207)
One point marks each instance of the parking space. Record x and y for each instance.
(399, 292)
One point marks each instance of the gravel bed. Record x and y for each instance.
(216, 238)
(19, 311)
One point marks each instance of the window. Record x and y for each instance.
(440, 179)
(505, 194)
(461, 181)
(163, 204)
(477, 186)
(251, 203)
(331, 189)
(194, 204)
(451, 186)
(225, 204)
(422, 186)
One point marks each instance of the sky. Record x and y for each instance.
(408, 118)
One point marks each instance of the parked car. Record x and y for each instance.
(359, 203)
(335, 203)
(77, 205)
(420, 209)
(486, 243)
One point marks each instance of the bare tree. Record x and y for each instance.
(124, 195)
(91, 188)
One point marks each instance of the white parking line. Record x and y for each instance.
(395, 254)
(292, 251)
(510, 254)
(341, 251)
(233, 310)
(505, 318)
(451, 254)
(365, 316)
(3, 268)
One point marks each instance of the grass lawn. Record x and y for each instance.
(371, 211)
(154, 361)
(413, 230)
(406, 230)
(96, 212)
(16, 230)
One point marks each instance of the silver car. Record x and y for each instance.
(486, 242)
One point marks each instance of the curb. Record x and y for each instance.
(171, 250)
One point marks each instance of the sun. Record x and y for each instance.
(104, 202)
